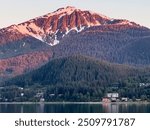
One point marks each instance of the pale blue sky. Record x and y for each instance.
(16, 11)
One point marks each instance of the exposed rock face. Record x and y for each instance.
(51, 28)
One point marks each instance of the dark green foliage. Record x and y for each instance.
(16, 48)
(78, 78)
(117, 44)
(76, 69)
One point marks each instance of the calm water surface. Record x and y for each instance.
(76, 108)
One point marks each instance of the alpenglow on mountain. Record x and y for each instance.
(70, 31)
(51, 28)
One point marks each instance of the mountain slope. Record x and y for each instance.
(76, 69)
(112, 43)
(22, 64)
(22, 56)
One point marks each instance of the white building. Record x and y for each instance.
(112, 95)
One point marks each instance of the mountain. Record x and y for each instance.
(51, 28)
(70, 31)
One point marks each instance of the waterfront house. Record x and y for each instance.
(113, 97)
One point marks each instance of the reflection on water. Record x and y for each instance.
(110, 108)
(75, 108)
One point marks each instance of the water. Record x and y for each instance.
(76, 108)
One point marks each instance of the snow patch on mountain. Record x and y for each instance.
(55, 41)
(24, 44)
(30, 30)
(124, 22)
(51, 28)
(62, 11)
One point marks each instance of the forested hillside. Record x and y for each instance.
(78, 78)
(76, 69)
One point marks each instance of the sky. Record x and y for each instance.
(17, 11)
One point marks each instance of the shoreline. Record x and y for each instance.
(55, 103)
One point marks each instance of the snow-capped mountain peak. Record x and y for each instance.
(51, 28)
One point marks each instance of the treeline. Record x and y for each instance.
(74, 92)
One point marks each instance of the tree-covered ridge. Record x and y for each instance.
(78, 78)
(75, 69)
